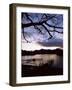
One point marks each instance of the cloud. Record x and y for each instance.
(52, 42)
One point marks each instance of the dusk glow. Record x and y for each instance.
(35, 46)
(38, 36)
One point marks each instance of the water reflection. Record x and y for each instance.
(41, 59)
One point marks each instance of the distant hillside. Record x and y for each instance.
(57, 51)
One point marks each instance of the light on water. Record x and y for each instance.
(40, 59)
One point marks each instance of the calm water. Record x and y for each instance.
(40, 59)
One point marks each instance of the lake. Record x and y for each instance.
(40, 59)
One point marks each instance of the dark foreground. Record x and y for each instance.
(44, 70)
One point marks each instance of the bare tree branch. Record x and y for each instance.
(40, 31)
(42, 22)
(39, 23)
(48, 32)
(53, 26)
(56, 31)
(25, 37)
(28, 17)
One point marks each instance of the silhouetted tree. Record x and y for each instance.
(42, 22)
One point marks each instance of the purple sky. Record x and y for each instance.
(33, 36)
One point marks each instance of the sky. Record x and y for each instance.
(40, 41)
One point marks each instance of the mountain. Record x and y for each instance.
(57, 51)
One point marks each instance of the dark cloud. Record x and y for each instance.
(54, 42)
